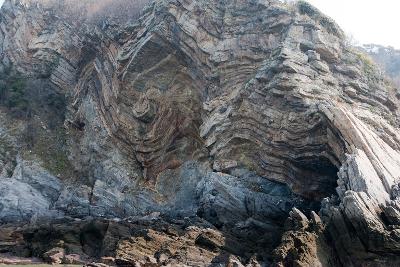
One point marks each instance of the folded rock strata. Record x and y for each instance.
(231, 111)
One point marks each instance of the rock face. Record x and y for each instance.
(188, 135)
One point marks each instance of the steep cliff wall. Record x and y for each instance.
(227, 112)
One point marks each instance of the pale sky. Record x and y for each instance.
(368, 21)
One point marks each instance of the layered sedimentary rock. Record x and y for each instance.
(230, 113)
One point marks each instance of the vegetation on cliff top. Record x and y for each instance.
(329, 24)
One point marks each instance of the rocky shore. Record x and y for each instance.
(193, 133)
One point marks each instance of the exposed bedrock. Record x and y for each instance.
(235, 112)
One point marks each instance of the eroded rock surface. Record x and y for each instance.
(231, 113)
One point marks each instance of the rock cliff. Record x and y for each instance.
(194, 133)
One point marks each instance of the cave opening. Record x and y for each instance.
(316, 177)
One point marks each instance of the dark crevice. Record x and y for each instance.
(319, 176)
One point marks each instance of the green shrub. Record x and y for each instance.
(56, 101)
(49, 68)
(17, 93)
(13, 92)
(307, 9)
(330, 25)
(367, 63)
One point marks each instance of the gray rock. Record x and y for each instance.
(234, 111)
(20, 201)
(31, 173)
